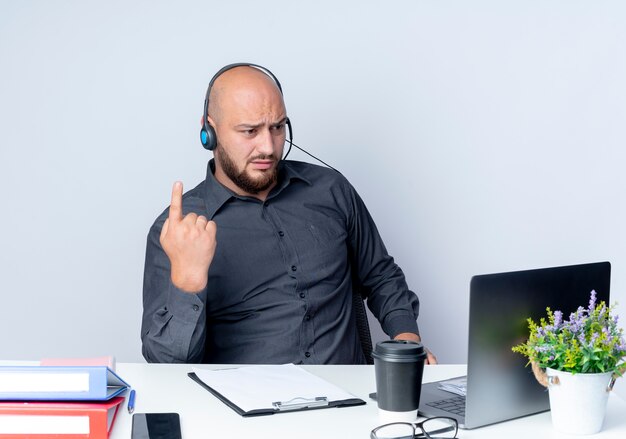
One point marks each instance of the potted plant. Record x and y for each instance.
(578, 360)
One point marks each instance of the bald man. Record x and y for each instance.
(256, 264)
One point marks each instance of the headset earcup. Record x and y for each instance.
(208, 137)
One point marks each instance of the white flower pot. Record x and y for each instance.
(578, 401)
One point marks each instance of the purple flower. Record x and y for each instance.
(558, 318)
(574, 325)
(592, 301)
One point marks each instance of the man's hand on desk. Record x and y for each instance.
(430, 357)
(189, 243)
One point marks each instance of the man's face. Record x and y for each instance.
(251, 131)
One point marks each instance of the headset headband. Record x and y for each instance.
(229, 67)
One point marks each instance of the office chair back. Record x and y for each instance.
(363, 327)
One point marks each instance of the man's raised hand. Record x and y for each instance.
(189, 243)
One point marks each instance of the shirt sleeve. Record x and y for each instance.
(174, 322)
(382, 280)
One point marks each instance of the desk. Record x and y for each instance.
(167, 388)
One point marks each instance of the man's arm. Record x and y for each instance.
(178, 256)
(391, 301)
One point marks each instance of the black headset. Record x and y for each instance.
(208, 137)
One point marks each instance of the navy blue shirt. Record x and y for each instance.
(280, 284)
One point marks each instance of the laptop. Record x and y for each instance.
(499, 387)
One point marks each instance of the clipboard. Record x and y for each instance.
(293, 402)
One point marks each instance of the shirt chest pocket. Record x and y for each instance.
(326, 234)
(322, 245)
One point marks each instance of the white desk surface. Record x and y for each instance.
(167, 388)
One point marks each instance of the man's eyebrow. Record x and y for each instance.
(249, 125)
(257, 125)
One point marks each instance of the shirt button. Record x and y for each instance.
(307, 354)
(302, 295)
(293, 268)
(307, 317)
(281, 233)
(195, 307)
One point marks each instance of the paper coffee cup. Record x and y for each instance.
(399, 366)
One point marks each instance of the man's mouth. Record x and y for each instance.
(262, 164)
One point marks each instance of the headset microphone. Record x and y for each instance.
(309, 154)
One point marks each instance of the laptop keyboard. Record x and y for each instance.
(454, 405)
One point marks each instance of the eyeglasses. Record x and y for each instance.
(432, 428)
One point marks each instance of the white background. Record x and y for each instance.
(484, 136)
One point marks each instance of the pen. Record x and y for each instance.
(131, 401)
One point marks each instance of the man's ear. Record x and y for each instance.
(211, 121)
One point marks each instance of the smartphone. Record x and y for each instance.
(156, 426)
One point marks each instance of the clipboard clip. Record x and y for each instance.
(300, 403)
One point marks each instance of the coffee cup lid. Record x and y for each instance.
(399, 350)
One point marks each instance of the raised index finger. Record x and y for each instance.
(176, 207)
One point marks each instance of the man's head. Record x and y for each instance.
(247, 112)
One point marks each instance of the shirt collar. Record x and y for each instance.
(216, 195)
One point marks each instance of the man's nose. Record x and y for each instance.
(265, 143)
